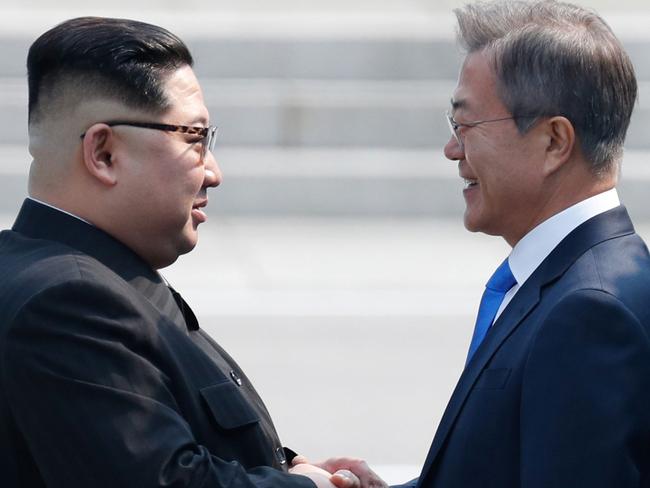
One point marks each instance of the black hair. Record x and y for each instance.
(121, 59)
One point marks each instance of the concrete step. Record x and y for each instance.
(317, 113)
(319, 59)
(293, 75)
(333, 182)
(374, 59)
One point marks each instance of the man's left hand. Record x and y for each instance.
(346, 472)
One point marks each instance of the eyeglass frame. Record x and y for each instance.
(455, 125)
(208, 134)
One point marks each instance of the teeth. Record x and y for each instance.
(470, 182)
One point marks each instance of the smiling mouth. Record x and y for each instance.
(469, 183)
(199, 205)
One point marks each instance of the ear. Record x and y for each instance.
(97, 147)
(561, 140)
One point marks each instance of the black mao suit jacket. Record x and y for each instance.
(105, 383)
(558, 394)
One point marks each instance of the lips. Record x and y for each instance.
(197, 212)
(468, 179)
(200, 204)
(469, 183)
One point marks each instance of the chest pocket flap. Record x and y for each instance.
(228, 406)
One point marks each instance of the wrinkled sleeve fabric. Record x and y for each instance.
(586, 392)
(93, 405)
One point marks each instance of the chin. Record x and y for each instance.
(476, 221)
(188, 242)
(171, 245)
(470, 222)
(164, 263)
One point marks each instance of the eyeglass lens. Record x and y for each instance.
(208, 143)
(452, 128)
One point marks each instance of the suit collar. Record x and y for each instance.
(608, 225)
(39, 221)
(537, 244)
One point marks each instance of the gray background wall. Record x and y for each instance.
(334, 265)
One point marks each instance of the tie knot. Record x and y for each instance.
(502, 279)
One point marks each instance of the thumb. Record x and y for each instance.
(299, 460)
(344, 478)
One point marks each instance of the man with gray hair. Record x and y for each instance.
(555, 392)
(556, 387)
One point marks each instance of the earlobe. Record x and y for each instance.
(561, 143)
(97, 154)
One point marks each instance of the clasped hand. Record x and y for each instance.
(338, 473)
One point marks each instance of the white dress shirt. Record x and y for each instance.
(60, 210)
(535, 246)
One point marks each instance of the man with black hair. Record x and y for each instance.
(106, 379)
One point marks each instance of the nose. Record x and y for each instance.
(213, 176)
(453, 150)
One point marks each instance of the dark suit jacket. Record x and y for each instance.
(104, 383)
(558, 394)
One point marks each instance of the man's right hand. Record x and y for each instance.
(341, 469)
(324, 479)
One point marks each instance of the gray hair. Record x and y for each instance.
(554, 58)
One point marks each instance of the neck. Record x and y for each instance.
(558, 198)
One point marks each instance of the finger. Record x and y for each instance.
(344, 478)
(334, 464)
(299, 460)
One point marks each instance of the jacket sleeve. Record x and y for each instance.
(409, 484)
(585, 396)
(94, 410)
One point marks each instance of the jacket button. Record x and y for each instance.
(235, 377)
(279, 453)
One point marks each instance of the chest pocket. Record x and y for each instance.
(493, 379)
(228, 406)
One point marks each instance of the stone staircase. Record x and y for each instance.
(319, 114)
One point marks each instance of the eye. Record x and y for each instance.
(194, 138)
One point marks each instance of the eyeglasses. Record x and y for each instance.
(454, 126)
(208, 134)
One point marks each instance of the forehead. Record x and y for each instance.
(185, 96)
(476, 90)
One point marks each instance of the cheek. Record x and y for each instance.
(510, 165)
(186, 176)
(169, 195)
(194, 179)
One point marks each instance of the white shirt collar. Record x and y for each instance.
(57, 208)
(535, 246)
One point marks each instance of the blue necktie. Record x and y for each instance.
(497, 287)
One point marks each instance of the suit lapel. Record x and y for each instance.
(608, 225)
(523, 302)
(188, 315)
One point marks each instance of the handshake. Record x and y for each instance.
(338, 473)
